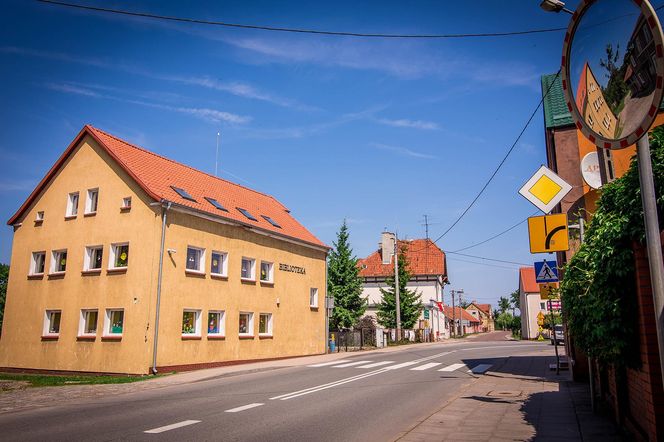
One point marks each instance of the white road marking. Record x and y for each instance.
(426, 366)
(171, 427)
(480, 369)
(402, 365)
(452, 367)
(351, 364)
(323, 364)
(244, 407)
(376, 364)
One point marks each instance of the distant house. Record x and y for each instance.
(428, 276)
(484, 313)
(469, 323)
(531, 305)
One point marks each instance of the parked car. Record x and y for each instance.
(558, 334)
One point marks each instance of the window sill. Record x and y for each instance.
(68, 217)
(36, 276)
(216, 337)
(50, 337)
(265, 336)
(191, 337)
(91, 272)
(197, 273)
(125, 209)
(248, 280)
(247, 336)
(56, 275)
(89, 214)
(313, 308)
(88, 338)
(111, 338)
(268, 283)
(39, 222)
(117, 270)
(218, 276)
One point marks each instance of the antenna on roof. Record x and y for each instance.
(216, 157)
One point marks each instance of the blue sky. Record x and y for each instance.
(376, 131)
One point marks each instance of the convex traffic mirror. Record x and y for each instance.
(612, 55)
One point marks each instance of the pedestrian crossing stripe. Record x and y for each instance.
(384, 365)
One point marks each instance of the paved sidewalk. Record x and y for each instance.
(522, 400)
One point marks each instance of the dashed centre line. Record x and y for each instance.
(171, 427)
(244, 407)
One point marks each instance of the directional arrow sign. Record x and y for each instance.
(545, 189)
(546, 271)
(548, 233)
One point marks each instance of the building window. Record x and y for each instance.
(37, 263)
(216, 325)
(52, 322)
(191, 323)
(219, 264)
(195, 259)
(542, 305)
(246, 213)
(248, 269)
(119, 256)
(246, 324)
(265, 324)
(114, 322)
(183, 193)
(59, 261)
(271, 221)
(92, 258)
(40, 216)
(216, 204)
(267, 271)
(72, 205)
(313, 298)
(91, 202)
(88, 325)
(126, 203)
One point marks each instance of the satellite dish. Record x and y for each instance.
(590, 170)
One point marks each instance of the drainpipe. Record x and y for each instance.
(164, 209)
(327, 318)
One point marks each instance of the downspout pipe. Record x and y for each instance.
(164, 210)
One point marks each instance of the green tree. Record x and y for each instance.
(504, 321)
(503, 304)
(515, 299)
(409, 300)
(4, 277)
(344, 283)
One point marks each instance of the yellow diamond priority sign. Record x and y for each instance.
(545, 189)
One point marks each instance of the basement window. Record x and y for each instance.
(246, 213)
(183, 193)
(216, 204)
(271, 221)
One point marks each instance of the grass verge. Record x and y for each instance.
(47, 380)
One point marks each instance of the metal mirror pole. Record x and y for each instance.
(653, 240)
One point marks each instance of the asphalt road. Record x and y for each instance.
(366, 396)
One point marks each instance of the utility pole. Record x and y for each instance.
(396, 286)
(459, 292)
(553, 333)
(216, 157)
(453, 314)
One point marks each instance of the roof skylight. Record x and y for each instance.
(247, 214)
(271, 221)
(183, 193)
(216, 203)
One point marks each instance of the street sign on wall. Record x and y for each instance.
(548, 233)
(545, 189)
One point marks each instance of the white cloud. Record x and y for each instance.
(72, 89)
(401, 151)
(415, 124)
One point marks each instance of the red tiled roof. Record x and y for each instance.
(156, 174)
(448, 312)
(423, 255)
(486, 308)
(527, 280)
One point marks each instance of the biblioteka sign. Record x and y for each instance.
(292, 269)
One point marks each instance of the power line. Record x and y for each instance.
(489, 259)
(454, 258)
(297, 30)
(496, 235)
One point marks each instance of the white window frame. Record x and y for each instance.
(40, 216)
(313, 296)
(201, 260)
(221, 321)
(56, 256)
(197, 322)
(269, 324)
(108, 331)
(250, 324)
(224, 263)
(87, 258)
(33, 263)
(72, 209)
(252, 271)
(543, 305)
(47, 323)
(126, 203)
(81, 326)
(92, 197)
(270, 272)
(113, 254)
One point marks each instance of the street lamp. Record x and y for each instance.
(554, 6)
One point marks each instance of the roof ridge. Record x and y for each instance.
(183, 165)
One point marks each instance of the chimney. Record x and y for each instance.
(387, 246)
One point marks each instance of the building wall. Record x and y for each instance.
(28, 298)
(531, 306)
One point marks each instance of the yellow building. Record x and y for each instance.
(124, 261)
(594, 109)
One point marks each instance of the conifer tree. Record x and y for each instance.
(344, 283)
(410, 304)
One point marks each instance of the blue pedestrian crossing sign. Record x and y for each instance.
(546, 271)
